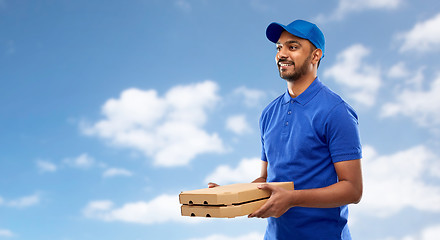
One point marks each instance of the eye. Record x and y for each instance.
(278, 48)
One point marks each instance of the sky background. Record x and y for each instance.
(109, 109)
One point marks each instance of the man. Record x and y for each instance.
(309, 136)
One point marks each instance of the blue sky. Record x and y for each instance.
(109, 109)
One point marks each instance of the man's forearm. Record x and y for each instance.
(347, 190)
(336, 195)
(281, 200)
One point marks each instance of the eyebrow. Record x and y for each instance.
(289, 42)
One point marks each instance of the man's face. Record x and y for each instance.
(293, 56)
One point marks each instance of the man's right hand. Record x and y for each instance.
(211, 185)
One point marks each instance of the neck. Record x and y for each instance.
(299, 86)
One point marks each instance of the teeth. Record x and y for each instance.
(284, 64)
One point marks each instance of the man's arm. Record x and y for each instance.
(263, 173)
(347, 190)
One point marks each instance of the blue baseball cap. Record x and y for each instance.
(299, 28)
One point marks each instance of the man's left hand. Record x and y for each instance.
(279, 202)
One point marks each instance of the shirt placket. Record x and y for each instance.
(287, 124)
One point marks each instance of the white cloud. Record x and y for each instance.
(423, 37)
(251, 97)
(249, 236)
(113, 172)
(238, 124)
(6, 233)
(429, 233)
(168, 128)
(46, 166)
(183, 5)
(83, 161)
(361, 80)
(396, 181)
(406, 78)
(23, 202)
(98, 209)
(346, 7)
(417, 103)
(399, 70)
(246, 171)
(164, 208)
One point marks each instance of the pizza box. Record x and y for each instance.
(226, 201)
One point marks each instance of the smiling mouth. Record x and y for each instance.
(285, 64)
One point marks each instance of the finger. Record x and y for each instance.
(211, 185)
(267, 187)
(260, 212)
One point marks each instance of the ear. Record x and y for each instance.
(316, 56)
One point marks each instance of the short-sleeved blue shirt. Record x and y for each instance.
(301, 139)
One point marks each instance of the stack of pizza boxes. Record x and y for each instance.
(226, 201)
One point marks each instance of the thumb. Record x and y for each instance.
(266, 187)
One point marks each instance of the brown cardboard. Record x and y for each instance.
(228, 194)
(226, 201)
(222, 211)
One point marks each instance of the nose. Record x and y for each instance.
(281, 54)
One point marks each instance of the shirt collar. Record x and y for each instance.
(307, 95)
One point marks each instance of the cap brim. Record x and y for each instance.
(274, 30)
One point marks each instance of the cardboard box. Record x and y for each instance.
(226, 201)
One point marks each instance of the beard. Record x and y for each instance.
(298, 73)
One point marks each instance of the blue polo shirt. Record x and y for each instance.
(301, 139)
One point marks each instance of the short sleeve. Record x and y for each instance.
(343, 133)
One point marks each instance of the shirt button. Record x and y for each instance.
(291, 101)
(289, 112)
(287, 123)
